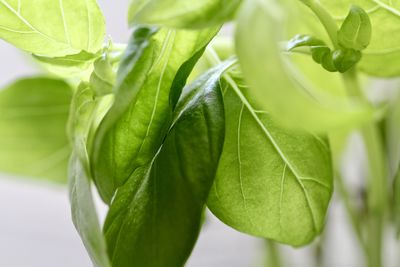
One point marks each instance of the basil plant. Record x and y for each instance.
(182, 119)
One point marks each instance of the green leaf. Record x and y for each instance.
(155, 217)
(323, 55)
(52, 28)
(84, 214)
(270, 182)
(345, 59)
(103, 77)
(301, 40)
(71, 65)
(391, 130)
(277, 85)
(383, 53)
(355, 32)
(33, 120)
(84, 111)
(183, 13)
(150, 79)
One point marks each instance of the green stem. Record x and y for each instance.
(273, 255)
(377, 178)
(351, 211)
(326, 19)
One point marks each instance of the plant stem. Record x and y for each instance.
(326, 19)
(377, 178)
(273, 256)
(351, 211)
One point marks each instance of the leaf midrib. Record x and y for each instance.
(34, 29)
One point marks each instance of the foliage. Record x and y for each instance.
(178, 120)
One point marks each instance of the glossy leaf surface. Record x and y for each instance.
(155, 217)
(150, 80)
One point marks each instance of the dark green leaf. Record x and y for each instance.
(155, 217)
(345, 59)
(33, 120)
(150, 80)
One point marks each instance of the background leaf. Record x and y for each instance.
(33, 120)
(69, 27)
(183, 13)
(383, 53)
(277, 85)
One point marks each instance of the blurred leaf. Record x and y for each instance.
(277, 85)
(270, 182)
(391, 131)
(33, 119)
(149, 82)
(183, 13)
(304, 40)
(52, 28)
(355, 32)
(72, 65)
(82, 121)
(345, 59)
(155, 217)
(383, 53)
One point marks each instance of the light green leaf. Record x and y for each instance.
(270, 182)
(84, 214)
(155, 217)
(84, 112)
(345, 59)
(304, 40)
(383, 52)
(355, 32)
(71, 65)
(33, 120)
(52, 28)
(103, 77)
(277, 85)
(183, 13)
(150, 79)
